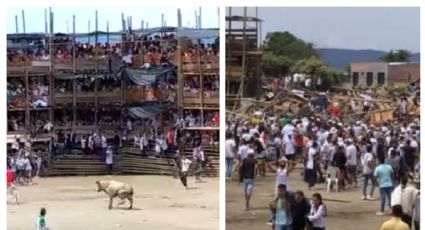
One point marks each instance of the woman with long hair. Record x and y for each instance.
(317, 213)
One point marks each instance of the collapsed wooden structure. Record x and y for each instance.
(297, 103)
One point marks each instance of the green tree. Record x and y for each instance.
(397, 56)
(273, 65)
(286, 44)
(313, 67)
(282, 50)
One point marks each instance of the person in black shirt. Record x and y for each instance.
(339, 161)
(300, 209)
(247, 174)
(409, 155)
(261, 155)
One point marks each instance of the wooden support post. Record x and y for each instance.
(16, 24)
(196, 20)
(228, 53)
(242, 84)
(201, 83)
(96, 27)
(88, 37)
(107, 31)
(162, 27)
(52, 23)
(179, 64)
(45, 21)
(23, 21)
(73, 45)
(74, 102)
(200, 18)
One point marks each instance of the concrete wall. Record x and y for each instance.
(362, 68)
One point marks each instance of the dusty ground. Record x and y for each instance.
(160, 202)
(354, 215)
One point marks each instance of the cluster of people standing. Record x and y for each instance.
(331, 151)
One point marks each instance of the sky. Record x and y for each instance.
(379, 28)
(34, 17)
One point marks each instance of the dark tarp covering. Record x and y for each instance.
(70, 76)
(182, 32)
(144, 77)
(147, 111)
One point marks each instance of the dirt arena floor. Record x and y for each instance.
(160, 203)
(352, 215)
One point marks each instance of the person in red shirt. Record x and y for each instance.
(334, 110)
(299, 143)
(216, 119)
(170, 137)
(11, 186)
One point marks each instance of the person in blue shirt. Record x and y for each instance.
(384, 174)
(281, 209)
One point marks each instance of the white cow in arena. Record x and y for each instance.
(116, 189)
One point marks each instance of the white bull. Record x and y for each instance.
(116, 189)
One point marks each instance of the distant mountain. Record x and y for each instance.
(339, 58)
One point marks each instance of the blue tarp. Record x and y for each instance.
(147, 111)
(145, 77)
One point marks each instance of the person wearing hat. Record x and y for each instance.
(282, 171)
(405, 196)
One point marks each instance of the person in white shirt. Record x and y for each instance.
(136, 141)
(48, 127)
(128, 59)
(83, 143)
(311, 172)
(91, 143)
(243, 151)
(317, 212)
(104, 145)
(368, 164)
(185, 164)
(289, 143)
(405, 196)
(199, 159)
(282, 172)
(28, 169)
(351, 162)
(15, 145)
(230, 149)
(287, 130)
(109, 160)
(417, 214)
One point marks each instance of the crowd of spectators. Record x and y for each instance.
(109, 84)
(16, 121)
(63, 116)
(192, 83)
(40, 122)
(39, 92)
(193, 118)
(16, 93)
